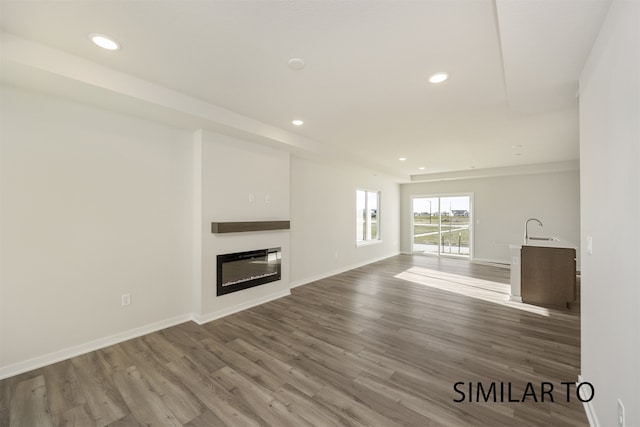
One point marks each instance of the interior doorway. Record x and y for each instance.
(442, 225)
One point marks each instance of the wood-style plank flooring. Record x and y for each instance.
(382, 345)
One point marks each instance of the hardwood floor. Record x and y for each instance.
(382, 345)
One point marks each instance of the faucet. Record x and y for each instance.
(526, 228)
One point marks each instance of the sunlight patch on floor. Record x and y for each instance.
(484, 290)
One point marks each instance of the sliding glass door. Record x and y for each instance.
(441, 225)
(426, 225)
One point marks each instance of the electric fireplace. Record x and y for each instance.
(242, 270)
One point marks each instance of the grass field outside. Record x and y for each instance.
(455, 231)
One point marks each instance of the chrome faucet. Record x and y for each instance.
(526, 228)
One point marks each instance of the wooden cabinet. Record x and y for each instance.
(548, 276)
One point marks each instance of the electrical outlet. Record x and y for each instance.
(620, 413)
(251, 197)
(267, 198)
(126, 299)
(590, 245)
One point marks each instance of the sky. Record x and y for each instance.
(448, 204)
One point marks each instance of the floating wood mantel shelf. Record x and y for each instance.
(240, 227)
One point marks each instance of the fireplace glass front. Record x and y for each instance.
(244, 270)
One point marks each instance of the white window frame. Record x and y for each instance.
(471, 196)
(368, 240)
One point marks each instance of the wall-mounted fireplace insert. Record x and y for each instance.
(244, 270)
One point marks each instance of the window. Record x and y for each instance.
(367, 216)
(442, 225)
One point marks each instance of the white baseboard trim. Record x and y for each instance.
(515, 298)
(202, 319)
(493, 262)
(312, 279)
(588, 408)
(77, 350)
(482, 261)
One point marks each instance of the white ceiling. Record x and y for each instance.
(514, 67)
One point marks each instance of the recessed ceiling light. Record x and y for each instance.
(402, 159)
(421, 168)
(516, 146)
(517, 154)
(296, 64)
(438, 77)
(297, 122)
(104, 41)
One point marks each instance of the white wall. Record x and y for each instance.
(323, 218)
(231, 171)
(610, 203)
(94, 204)
(501, 205)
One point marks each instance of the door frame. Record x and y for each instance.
(440, 196)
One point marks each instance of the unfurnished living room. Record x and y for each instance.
(320, 213)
